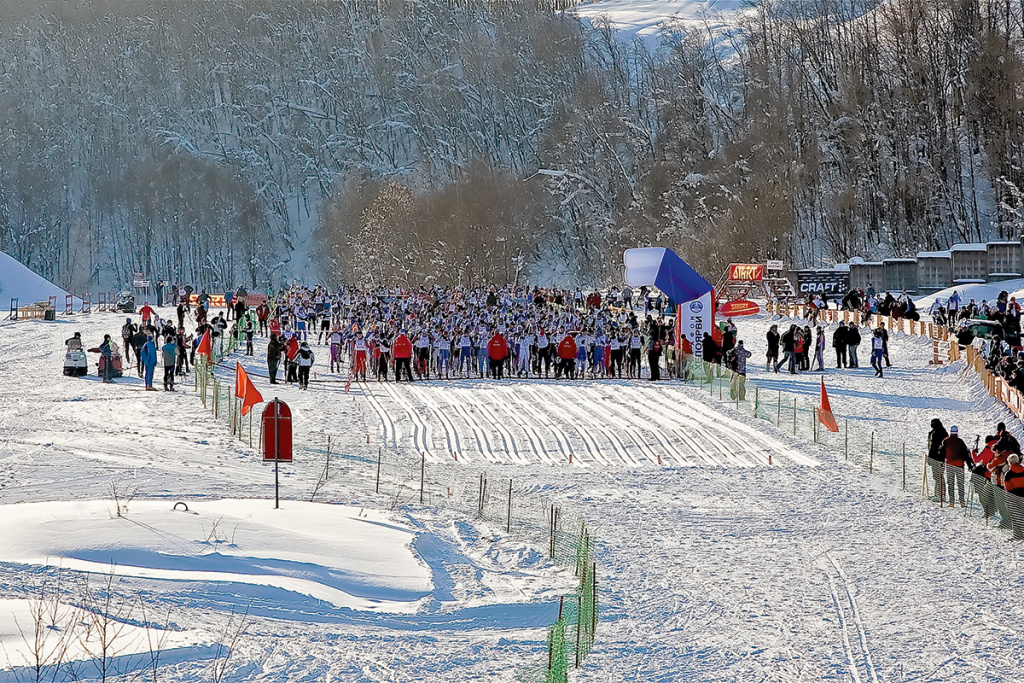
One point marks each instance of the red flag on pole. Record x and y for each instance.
(204, 345)
(825, 416)
(245, 390)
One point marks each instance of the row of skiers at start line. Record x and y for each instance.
(569, 359)
(996, 473)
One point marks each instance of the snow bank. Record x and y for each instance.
(987, 291)
(344, 556)
(17, 281)
(65, 636)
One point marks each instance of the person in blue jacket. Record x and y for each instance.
(148, 358)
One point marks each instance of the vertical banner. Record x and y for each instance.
(695, 318)
(679, 329)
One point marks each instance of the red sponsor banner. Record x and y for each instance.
(746, 272)
(739, 307)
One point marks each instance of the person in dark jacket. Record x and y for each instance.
(788, 350)
(839, 343)
(773, 337)
(852, 342)
(708, 353)
(936, 454)
(275, 349)
(956, 455)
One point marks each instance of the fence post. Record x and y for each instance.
(423, 471)
(871, 461)
(794, 416)
(579, 613)
(757, 398)
(904, 465)
(508, 524)
(778, 415)
(846, 439)
(379, 456)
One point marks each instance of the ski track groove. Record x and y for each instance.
(612, 417)
(511, 449)
(480, 435)
(588, 441)
(385, 417)
(861, 633)
(561, 437)
(420, 434)
(615, 441)
(451, 434)
(639, 421)
(536, 443)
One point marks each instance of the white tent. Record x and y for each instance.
(18, 282)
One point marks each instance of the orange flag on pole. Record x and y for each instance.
(245, 390)
(204, 345)
(825, 415)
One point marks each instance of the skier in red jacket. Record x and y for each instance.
(401, 351)
(497, 352)
(567, 357)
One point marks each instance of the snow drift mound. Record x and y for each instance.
(19, 282)
(342, 556)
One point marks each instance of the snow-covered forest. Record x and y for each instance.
(252, 142)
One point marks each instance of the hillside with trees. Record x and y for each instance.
(405, 142)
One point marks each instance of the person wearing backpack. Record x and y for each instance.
(304, 359)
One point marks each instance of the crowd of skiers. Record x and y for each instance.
(463, 332)
(801, 348)
(993, 468)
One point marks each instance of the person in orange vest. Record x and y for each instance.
(956, 456)
(980, 475)
(1013, 482)
(147, 312)
(567, 357)
(401, 350)
(497, 352)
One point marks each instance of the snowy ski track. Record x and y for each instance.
(613, 423)
(712, 566)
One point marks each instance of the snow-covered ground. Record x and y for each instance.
(711, 566)
(644, 20)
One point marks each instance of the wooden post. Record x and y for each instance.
(778, 414)
(904, 465)
(423, 471)
(794, 415)
(871, 461)
(508, 524)
(380, 455)
(846, 439)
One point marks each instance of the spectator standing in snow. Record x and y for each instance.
(107, 358)
(402, 352)
(788, 350)
(773, 346)
(738, 381)
(839, 342)
(884, 334)
(1013, 484)
(170, 356)
(654, 358)
(852, 342)
(877, 346)
(819, 349)
(936, 454)
(955, 457)
(274, 351)
(149, 361)
(304, 360)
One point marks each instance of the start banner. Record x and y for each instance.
(695, 318)
(746, 272)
